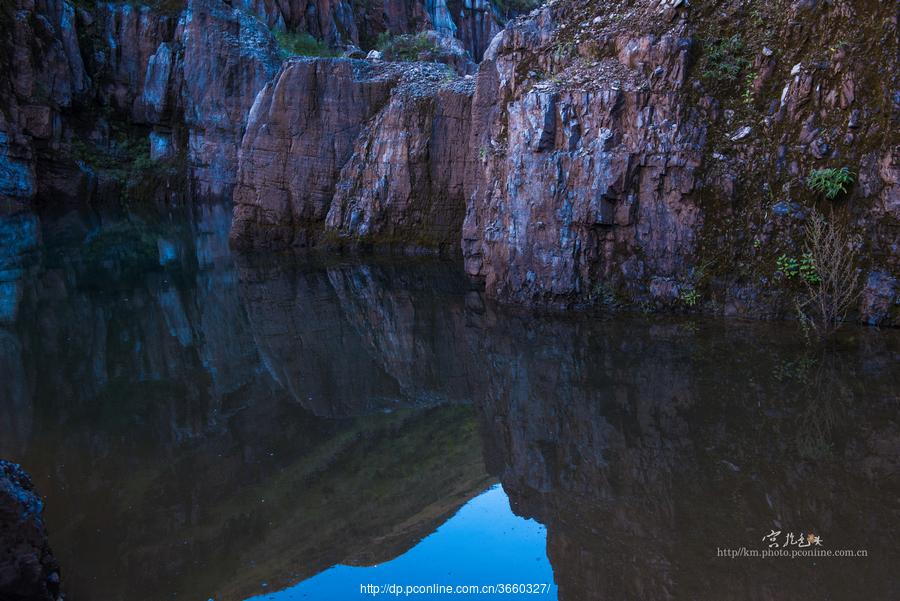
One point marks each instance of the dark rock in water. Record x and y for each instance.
(28, 569)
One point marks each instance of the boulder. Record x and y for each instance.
(28, 569)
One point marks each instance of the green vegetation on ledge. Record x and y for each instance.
(293, 43)
(511, 8)
(725, 60)
(170, 7)
(124, 158)
(406, 47)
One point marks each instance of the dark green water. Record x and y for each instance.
(210, 426)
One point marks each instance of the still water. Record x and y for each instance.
(206, 426)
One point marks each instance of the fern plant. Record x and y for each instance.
(789, 266)
(805, 267)
(830, 181)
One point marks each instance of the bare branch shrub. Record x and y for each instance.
(833, 285)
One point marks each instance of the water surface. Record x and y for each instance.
(210, 426)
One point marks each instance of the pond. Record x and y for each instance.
(211, 426)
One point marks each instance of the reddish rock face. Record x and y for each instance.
(598, 159)
(391, 16)
(135, 68)
(46, 61)
(341, 23)
(329, 20)
(609, 161)
(476, 25)
(312, 165)
(190, 72)
(194, 73)
(42, 73)
(300, 133)
(575, 181)
(596, 153)
(404, 183)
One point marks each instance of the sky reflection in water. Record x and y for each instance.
(483, 544)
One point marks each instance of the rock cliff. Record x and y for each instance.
(343, 149)
(228, 57)
(98, 98)
(655, 149)
(28, 569)
(301, 132)
(654, 154)
(104, 97)
(348, 25)
(584, 164)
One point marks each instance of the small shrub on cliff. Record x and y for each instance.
(830, 275)
(605, 296)
(831, 182)
(747, 96)
(808, 271)
(511, 8)
(114, 157)
(293, 43)
(124, 158)
(725, 60)
(168, 7)
(405, 47)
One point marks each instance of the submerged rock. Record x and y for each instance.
(28, 569)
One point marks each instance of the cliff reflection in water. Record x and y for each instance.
(201, 425)
(646, 448)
